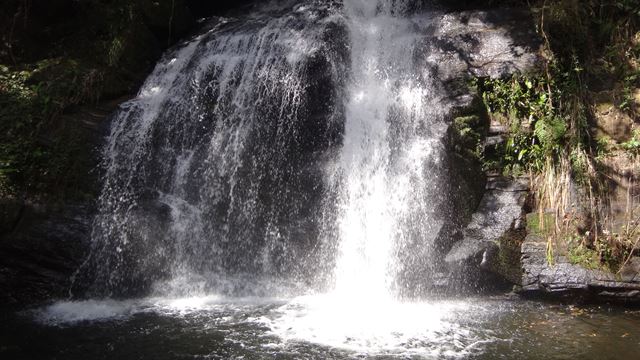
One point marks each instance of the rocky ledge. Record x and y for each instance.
(495, 243)
(563, 279)
(489, 245)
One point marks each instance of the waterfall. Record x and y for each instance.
(214, 172)
(298, 182)
(296, 149)
(390, 150)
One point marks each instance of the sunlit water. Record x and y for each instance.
(312, 327)
(387, 167)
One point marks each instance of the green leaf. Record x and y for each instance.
(529, 84)
(522, 153)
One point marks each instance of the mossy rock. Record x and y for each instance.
(508, 263)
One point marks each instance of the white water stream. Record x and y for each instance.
(392, 132)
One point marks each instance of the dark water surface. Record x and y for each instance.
(316, 328)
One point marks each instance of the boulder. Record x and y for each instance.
(485, 241)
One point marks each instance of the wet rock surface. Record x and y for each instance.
(492, 43)
(489, 43)
(468, 44)
(499, 214)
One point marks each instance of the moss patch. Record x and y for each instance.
(541, 226)
(585, 257)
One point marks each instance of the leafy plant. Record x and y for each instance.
(583, 256)
(468, 138)
(633, 144)
(536, 131)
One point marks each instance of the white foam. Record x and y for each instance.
(69, 312)
(370, 327)
(375, 327)
(72, 312)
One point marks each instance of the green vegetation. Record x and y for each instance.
(536, 131)
(557, 136)
(605, 253)
(57, 56)
(468, 138)
(585, 257)
(633, 144)
(36, 151)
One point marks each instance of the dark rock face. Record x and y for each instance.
(41, 252)
(42, 244)
(492, 43)
(566, 280)
(11, 210)
(205, 8)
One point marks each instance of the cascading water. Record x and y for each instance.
(258, 159)
(392, 144)
(387, 181)
(292, 153)
(214, 173)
